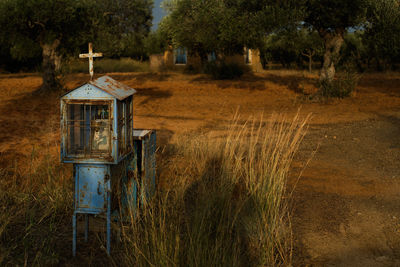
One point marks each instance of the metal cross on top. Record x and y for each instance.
(90, 55)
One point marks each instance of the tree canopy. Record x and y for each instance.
(225, 26)
(58, 27)
(292, 45)
(331, 19)
(382, 31)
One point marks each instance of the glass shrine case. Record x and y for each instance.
(95, 130)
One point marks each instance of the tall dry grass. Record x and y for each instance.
(221, 202)
(36, 198)
(224, 203)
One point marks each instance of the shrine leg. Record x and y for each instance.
(74, 234)
(108, 223)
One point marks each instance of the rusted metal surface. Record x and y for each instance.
(87, 91)
(118, 90)
(92, 196)
(91, 188)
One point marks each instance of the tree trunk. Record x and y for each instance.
(309, 55)
(333, 42)
(203, 57)
(51, 64)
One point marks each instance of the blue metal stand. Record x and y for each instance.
(92, 196)
(93, 185)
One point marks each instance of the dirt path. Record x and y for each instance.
(347, 210)
(346, 206)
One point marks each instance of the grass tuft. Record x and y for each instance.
(224, 203)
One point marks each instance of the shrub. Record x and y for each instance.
(190, 69)
(107, 65)
(342, 86)
(223, 71)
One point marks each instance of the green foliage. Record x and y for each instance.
(224, 27)
(282, 47)
(156, 42)
(43, 21)
(331, 19)
(223, 71)
(293, 45)
(382, 34)
(328, 15)
(354, 52)
(115, 27)
(342, 86)
(123, 26)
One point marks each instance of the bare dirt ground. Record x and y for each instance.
(346, 204)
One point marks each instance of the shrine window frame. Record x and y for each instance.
(87, 124)
(125, 126)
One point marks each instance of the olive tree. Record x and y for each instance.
(331, 19)
(61, 26)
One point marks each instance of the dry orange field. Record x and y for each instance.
(345, 205)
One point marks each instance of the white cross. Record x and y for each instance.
(90, 55)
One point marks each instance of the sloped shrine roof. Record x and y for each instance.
(113, 87)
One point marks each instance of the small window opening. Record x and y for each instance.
(211, 56)
(180, 55)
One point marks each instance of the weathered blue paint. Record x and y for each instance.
(92, 196)
(145, 156)
(88, 91)
(92, 187)
(98, 171)
(104, 87)
(102, 90)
